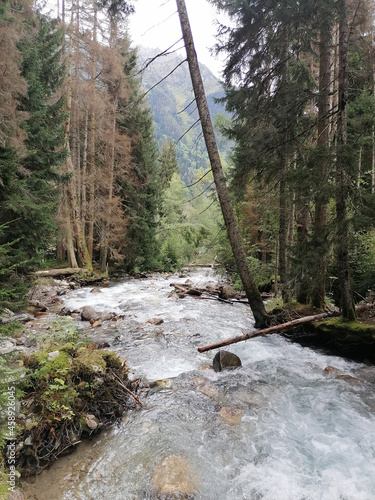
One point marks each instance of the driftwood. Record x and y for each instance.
(222, 293)
(53, 273)
(16, 317)
(265, 331)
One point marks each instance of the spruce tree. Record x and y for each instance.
(140, 192)
(33, 203)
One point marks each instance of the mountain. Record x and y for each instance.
(173, 109)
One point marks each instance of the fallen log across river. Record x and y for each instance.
(265, 331)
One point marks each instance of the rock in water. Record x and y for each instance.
(174, 477)
(225, 360)
(231, 416)
(88, 314)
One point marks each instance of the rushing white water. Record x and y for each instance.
(304, 435)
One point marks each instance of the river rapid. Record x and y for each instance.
(301, 433)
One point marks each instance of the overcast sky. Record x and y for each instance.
(155, 24)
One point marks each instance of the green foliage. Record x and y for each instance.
(12, 329)
(28, 189)
(140, 190)
(9, 378)
(188, 225)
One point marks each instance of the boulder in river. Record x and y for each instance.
(174, 477)
(88, 314)
(225, 360)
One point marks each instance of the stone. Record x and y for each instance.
(6, 347)
(174, 476)
(231, 416)
(30, 342)
(155, 321)
(96, 290)
(101, 343)
(202, 386)
(38, 314)
(28, 441)
(16, 495)
(331, 370)
(8, 313)
(64, 311)
(52, 355)
(96, 323)
(165, 383)
(92, 422)
(88, 314)
(110, 316)
(225, 360)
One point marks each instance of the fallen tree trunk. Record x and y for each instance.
(265, 331)
(53, 273)
(16, 317)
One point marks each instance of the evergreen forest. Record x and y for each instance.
(98, 171)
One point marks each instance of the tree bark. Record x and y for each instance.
(321, 200)
(283, 183)
(83, 257)
(342, 181)
(252, 292)
(92, 166)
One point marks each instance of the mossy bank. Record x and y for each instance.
(68, 390)
(353, 340)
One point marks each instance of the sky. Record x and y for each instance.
(155, 24)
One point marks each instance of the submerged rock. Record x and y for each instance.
(231, 416)
(155, 321)
(225, 360)
(174, 476)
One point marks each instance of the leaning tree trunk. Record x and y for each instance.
(342, 182)
(252, 292)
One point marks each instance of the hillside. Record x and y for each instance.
(170, 98)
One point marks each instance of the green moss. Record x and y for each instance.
(350, 328)
(111, 359)
(89, 362)
(4, 487)
(61, 365)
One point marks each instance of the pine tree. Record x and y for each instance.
(140, 192)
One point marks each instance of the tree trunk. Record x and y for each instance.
(83, 257)
(91, 176)
(304, 282)
(84, 170)
(321, 198)
(283, 184)
(342, 181)
(252, 292)
(104, 247)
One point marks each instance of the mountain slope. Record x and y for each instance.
(173, 109)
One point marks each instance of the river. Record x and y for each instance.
(301, 433)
